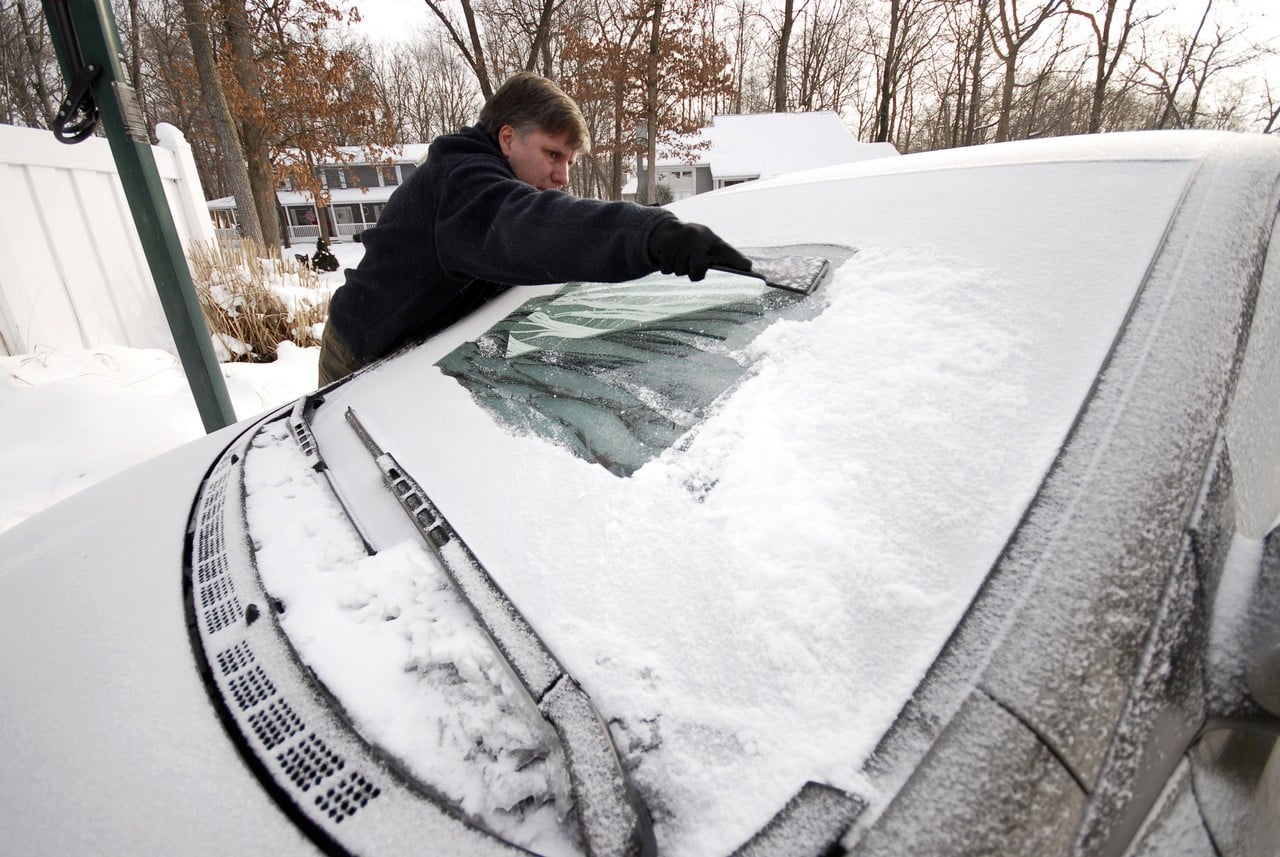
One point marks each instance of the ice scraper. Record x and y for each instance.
(801, 274)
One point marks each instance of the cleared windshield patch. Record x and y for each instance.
(586, 310)
(618, 372)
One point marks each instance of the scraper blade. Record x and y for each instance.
(800, 274)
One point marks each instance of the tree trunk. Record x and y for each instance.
(135, 57)
(477, 47)
(780, 68)
(651, 104)
(975, 93)
(884, 115)
(262, 177)
(1006, 95)
(215, 105)
(541, 38)
(615, 156)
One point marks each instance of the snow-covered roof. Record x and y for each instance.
(337, 196)
(407, 153)
(763, 145)
(769, 144)
(414, 153)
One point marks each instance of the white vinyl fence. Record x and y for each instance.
(72, 270)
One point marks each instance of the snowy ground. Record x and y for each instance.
(73, 417)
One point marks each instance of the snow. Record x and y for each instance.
(770, 144)
(73, 417)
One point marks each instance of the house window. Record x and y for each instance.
(333, 177)
(302, 215)
(363, 176)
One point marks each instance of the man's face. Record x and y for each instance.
(540, 159)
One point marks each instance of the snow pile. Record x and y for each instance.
(72, 418)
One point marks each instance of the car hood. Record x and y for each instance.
(111, 745)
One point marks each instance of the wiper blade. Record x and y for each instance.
(613, 819)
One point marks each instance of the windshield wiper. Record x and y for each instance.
(614, 821)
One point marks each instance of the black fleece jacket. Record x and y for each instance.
(461, 230)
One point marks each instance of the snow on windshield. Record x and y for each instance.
(752, 607)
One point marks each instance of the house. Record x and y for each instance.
(745, 147)
(357, 189)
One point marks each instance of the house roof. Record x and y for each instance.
(770, 144)
(763, 145)
(406, 153)
(337, 196)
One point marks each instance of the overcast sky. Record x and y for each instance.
(385, 20)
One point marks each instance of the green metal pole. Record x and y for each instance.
(94, 42)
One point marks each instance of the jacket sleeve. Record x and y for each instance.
(495, 227)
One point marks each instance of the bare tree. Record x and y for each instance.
(652, 66)
(470, 45)
(908, 43)
(29, 76)
(957, 77)
(424, 88)
(1013, 33)
(1111, 25)
(744, 16)
(1180, 74)
(829, 66)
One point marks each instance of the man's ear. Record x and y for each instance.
(506, 134)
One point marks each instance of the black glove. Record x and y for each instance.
(689, 249)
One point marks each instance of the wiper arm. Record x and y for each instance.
(614, 821)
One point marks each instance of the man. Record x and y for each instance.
(484, 213)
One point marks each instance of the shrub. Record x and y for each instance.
(253, 302)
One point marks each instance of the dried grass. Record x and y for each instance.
(253, 301)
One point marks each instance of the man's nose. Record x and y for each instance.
(560, 175)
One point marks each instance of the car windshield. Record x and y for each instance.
(746, 523)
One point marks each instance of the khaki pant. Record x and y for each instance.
(335, 360)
